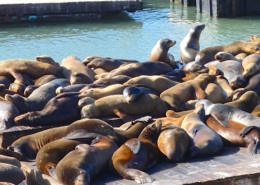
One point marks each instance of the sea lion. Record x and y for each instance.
(241, 56)
(231, 136)
(223, 56)
(247, 102)
(8, 112)
(138, 154)
(253, 85)
(18, 67)
(222, 113)
(214, 93)
(38, 99)
(207, 55)
(76, 72)
(19, 85)
(190, 46)
(99, 71)
(148, 104)
(173, 142)
(156, 82)
(84, 163)
(254, 38)
(97, 93)
(70, 88)
(51, 153)
(251, 65)
(160, 52)
(10, 160)
(137, 69)
(6, 81)
(60, 110)
(10, 173)
(119, 79)
(227, 91)
(107, 64)
(206, 142)
(132, 93)
(85, 101)
(47, 59)
(183, 92)
(29, 145)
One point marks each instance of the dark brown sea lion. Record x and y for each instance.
(231, 136)
(148, 104)
(156, 82)
(38, 99)
(160, 52)
(11, 174)
(251, 65)
(206, 142)
(10, 160)
(183, 92)
(7, 114)
(6, 81)
(76, 72)
(107, 64)
(84, 163)
(137, 69)
(207, 55)
(173, 142)
(253, 85)
(29, 145)
(190, 46)
(60, 110)
(138, 154)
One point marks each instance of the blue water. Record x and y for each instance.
(124, 35)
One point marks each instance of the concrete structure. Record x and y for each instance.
(34, 10)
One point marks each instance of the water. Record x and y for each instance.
(124, 35)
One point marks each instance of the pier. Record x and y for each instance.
(54, 10)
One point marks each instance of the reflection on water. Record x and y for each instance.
(123, 35)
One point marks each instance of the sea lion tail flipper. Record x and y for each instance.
(246, 130)
(139, 176)
(51, 170)
(81, 135)
(122, 115)
(144, 119)
(221, 119)
(254, 148)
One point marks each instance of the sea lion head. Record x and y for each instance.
(222, 56)
(238, 81)
(238, 93)
(132, 93)
(251, 47)
(79, 78)
(90, 111)
(197, 29)
(85, 101)
(195, 66)
(28, 118)
(165, 44)
(206, 106)
(17, 87)
(250, 70)
(152, 131)
(28, 90)
(25, 147)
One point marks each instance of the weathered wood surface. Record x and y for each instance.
(231, 166)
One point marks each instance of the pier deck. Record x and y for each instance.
(231, 166)
(32, 10)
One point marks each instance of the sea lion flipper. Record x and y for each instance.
(134, 145)
(221, 119)
(199, 93)
(254, 148)
(81, 135)
(123, 116)
(51, 170)
(139, 176)
(172, 114)
(246, 130)
(144, 119)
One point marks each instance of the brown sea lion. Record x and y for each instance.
(254, 38)
(231, 136)
(38, 99)
(11, 174)
(227, 91)
(107, 64)
(156, 82)
(223, 56)
(119, 79)
(19, 85)
(241, 56)
(99, 71)
(183, 92)
(138, 154)
(76, 72)
(251, 65)
(173, 142)
(206, 142)
(29, 145)
(137, 69)
(8, 112)
(207, 55)
(70, 88)
(253, 85)
(60, 110)
(85, 101)
(160, 52)
(148, 104)
(214, 93)
(84, 163)
(47, 59)
(18, 67)
(51, 153)
(190, 46)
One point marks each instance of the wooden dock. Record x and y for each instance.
(233, 166)
(53, 10)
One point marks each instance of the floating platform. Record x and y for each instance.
(53, 10)
(232, 166)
